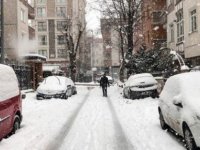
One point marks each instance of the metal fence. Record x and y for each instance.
(24, 75)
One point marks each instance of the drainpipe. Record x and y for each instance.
(2, 32)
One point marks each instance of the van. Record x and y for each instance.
(10, 102)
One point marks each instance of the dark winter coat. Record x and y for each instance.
(104, 81)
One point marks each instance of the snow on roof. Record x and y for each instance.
(35, 56)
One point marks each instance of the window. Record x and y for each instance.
(42, 39)
(41, 1)
(180, 26)
(42, 26)
(60, 1)
(43, 52)
(61, 11)
(171, 28)
(61, 25)
(60, 39)
(193, 20)
(157, 17)
(22, 15)
(41, 12)
(62, 53)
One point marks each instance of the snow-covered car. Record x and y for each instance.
(56, 87)
(179, 107)
(140, 86)
(194, 69)
(110, 79)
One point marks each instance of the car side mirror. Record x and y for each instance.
(23, 96)
(177, 101)
(179, 105)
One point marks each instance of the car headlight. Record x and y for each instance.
(63, 91)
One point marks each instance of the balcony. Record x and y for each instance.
(159, 17)
(31, 33)
(31, 11)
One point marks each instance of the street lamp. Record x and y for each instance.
(91, 53)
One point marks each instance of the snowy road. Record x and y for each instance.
(88, 121)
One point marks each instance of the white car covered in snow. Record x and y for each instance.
(56, 87)
(179, 107)
(140, 86)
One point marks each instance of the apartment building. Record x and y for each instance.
(183, 28)
(52, 18)
(153, 25)
(18, 29)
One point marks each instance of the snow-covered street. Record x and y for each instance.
(89, 121)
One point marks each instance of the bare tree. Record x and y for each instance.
(126, 16)
(72, 38)
(72, 46)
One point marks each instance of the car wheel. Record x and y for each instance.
(124, 95)
(129, 94)
(189, 139)
(75, 92)
(16, 124)
(154, 94)
(65, 96)
(162, 121)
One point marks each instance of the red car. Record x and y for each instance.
(10, 102)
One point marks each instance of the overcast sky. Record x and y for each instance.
(92, 15)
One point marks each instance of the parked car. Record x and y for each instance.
(56, 87)
(110, 79)
(194, 69)
(10, 102)
(179, 107)
(140, 86)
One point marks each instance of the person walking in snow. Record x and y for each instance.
(104, 84)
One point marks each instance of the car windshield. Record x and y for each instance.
(52, 81)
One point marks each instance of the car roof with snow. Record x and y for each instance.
(9, 83)
(137, 79)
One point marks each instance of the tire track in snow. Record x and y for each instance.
(58, 140)
(121, 140)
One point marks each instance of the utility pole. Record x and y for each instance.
(2, 33)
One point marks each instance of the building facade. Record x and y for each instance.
(183, 29)
(18, 28)
(111, 47)
(153, 29)
(52, 19)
